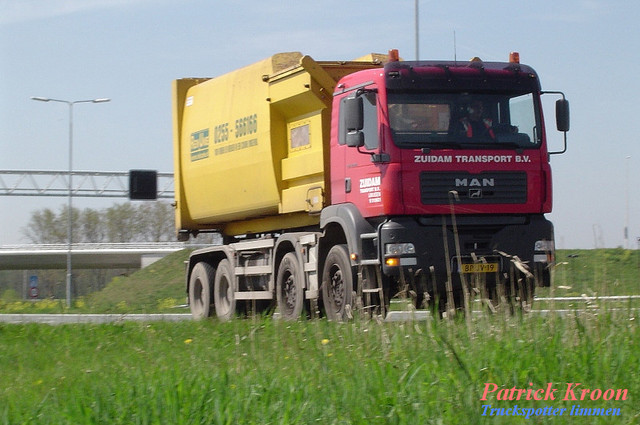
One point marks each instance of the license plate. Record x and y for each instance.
(480, 268)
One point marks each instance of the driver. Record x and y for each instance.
(473, 125)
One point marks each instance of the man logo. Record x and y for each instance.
(475, 193)
(475, 182)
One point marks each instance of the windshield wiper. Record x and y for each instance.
(430, 145)
(506, 145)
(451, 145)
(427, 145)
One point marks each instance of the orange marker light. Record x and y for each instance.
(393, 55)
(514, 57)
(392, 262)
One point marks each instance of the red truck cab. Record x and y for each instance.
(442, 171)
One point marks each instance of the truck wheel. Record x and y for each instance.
(290, 287)
(223, 291)
(200, 283)
(337, 284)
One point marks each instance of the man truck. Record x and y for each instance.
(337, 185)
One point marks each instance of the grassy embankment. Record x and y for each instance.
(158, 288)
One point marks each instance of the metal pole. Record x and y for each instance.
(69, 208)
(417, 19)
(70, 191)
(24, 285)
(626, 219)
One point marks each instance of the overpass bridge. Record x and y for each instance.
(86, 255)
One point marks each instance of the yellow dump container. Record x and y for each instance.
(250, 147)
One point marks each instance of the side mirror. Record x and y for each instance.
(562, 115)
(353, 114)
(562, 118)
(354, 121)
(355, 139)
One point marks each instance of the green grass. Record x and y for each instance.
(614, 271)
(594, 273)
(261, 371)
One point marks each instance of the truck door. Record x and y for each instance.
(355, 177)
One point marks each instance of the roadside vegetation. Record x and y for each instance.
(593, 273)
(611, 271)
(265, 371)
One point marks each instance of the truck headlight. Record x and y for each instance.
(400, 248)
(544, 245)
(544, 252)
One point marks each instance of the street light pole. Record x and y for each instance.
(70, 192)
(626, 196)
(417, 28)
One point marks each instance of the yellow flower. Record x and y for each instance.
(188, 341)
(324, 341)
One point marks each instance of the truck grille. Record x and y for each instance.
(483, 188)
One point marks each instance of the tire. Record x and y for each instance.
(200, 285)
(224, 291)
(290, 287)
(337, 284)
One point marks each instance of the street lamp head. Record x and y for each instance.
(71, 102)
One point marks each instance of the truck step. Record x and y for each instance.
(253, 295)
(372, 291)
(252, 270)
(374, 262)
(253, 244)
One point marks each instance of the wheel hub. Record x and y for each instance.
(337, 288)
(290, 294)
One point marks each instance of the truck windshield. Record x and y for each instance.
(459, 120)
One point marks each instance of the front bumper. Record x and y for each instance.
(474, 239)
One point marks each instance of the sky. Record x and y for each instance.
(131, 50)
